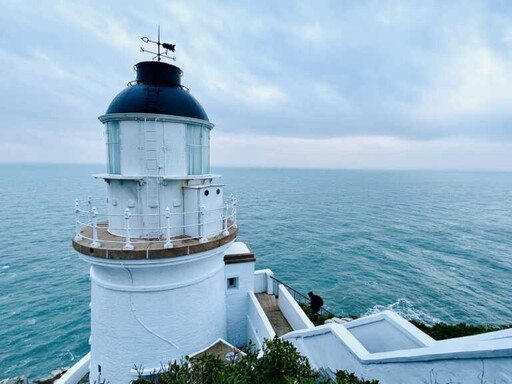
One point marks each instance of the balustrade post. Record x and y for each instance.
(78, 235)
(202, 213)
(89, 204)
(233, 210)
(226, 208)
(270, 283)
(128, 246)
(168, 243)
(95, 243)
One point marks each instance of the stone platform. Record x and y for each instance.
(111, 246)
(274, 315)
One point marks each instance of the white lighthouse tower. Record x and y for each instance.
(158, 272)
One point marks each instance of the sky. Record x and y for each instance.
(304, 84)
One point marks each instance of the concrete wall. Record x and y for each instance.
(237, 299)
(262, 281)
(259, 328)
(387, 331)
(333, 346)
(154, 173)
(292, 311)
(152, 311)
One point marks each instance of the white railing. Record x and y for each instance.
(177, 226)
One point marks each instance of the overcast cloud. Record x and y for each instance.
(336, 84)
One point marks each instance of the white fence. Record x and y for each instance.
(292, 311)
(263, 281)
(258, 325)
(77, 372)
(90, 223)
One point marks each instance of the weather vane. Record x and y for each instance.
(158, 55)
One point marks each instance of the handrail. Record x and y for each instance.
(224, 216)
(153, 240)
(148, 214)
(303, 299)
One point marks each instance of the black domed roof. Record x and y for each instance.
(157, 89)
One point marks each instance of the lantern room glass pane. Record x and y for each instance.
(198, 148)
(205, 150)
(113, 148)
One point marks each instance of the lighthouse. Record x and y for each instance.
(162, 278)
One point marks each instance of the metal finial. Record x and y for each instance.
(158, 54)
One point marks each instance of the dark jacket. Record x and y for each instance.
(316, 303)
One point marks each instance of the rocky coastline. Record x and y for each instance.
(50, 379)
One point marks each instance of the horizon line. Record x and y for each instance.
(2, 163)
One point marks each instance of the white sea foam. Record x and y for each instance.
(406, 309)
(6, 267)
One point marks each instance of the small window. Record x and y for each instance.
(206, 193)
(232, 282)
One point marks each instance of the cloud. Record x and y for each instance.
(433, 72)
(477, 81)
(366, 152)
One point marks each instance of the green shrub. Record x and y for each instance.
(344, 377)
(442, 331)
(315, 318)
(280, 364)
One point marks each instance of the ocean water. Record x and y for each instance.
(430, 245)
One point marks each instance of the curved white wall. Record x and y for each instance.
(153, 144)
(153, 156)
(154, 311)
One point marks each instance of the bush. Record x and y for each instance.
(315, 318)
(344, 377)
(281, 363)
(442, 331)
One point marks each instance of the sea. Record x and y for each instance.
(430, 245)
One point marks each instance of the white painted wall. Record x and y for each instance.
(292, 311)
(77, 372)
(387, 331)
(262, 281)
(212, 199)
(333, 346)
(153, 311)
(154, 171)
(259, 327)
(181, 200)
(237, 301)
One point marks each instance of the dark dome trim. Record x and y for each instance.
(152, 117)
(157, 90)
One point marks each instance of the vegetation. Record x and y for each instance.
(320, 319)
(344, 377)
(315, 318)
(442, 331)
(280, 363)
